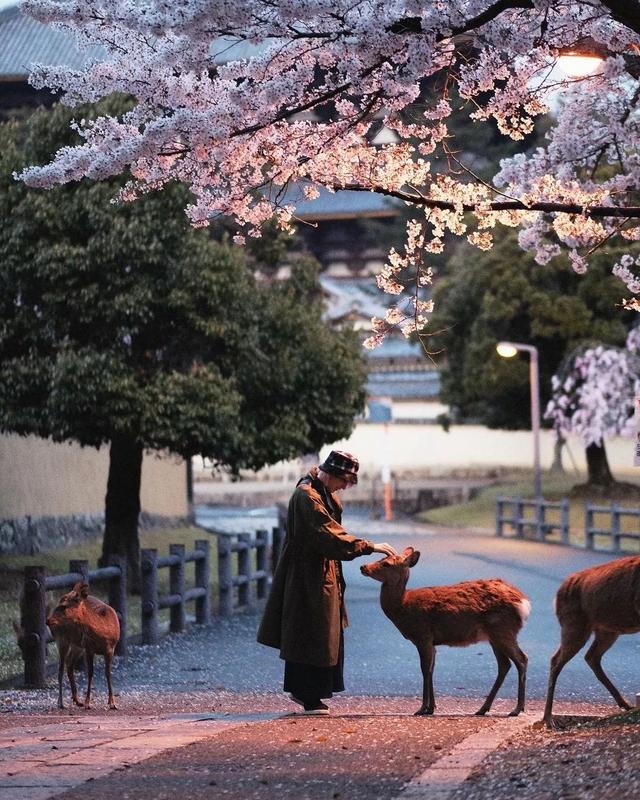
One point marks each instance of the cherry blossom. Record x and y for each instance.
(224, 94)
(593, 392)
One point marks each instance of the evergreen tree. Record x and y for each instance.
(121, 325)
(502, 294)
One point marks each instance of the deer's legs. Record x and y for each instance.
(574, 633)
(520, 659)
(108, 661)
(71, 662)
(601, 643)
(89, 662)
(504, 665)
(62, 655)
(427, 660)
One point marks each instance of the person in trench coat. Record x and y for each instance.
(305, 613)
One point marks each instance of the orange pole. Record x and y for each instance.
(387, 502)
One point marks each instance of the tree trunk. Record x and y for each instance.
(598, 472)
(557, 467)
(122, 507)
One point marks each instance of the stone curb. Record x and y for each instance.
(440, 780)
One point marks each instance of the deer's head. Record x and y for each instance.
(69, 604)
(392, 569)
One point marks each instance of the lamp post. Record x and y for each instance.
(508, 350)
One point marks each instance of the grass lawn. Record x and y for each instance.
(481, 511)
(57, 562)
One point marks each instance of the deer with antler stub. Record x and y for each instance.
(603, 600)
(82, 625)
(457, 615)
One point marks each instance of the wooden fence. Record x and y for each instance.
(244, 587)
(513, 511)
(152, 602)
(243, 584)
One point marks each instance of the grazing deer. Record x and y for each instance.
(83, 625)
(456, 615)
(603, 600)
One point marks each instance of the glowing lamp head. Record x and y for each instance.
(506, 349)
(579, 65)
(582, 58)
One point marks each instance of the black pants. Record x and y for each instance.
(309, 683)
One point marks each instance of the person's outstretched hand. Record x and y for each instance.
(383, 547)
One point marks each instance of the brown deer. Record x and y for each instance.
(603, 600)
(456, 615)
(83, 625)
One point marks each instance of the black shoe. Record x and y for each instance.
(318, 708)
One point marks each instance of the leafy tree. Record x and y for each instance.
(122, 325)
(502, 294)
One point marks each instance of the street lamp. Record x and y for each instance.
(508, 350)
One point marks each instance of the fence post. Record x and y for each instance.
(499, 515)
(615, 527)
(262, 542)
(118, 600)
(518, 505)
(225, 581)
(177, 613)
(564, 520)
(202, 566)
(588, 525)
(33, 622)
(245, 594)
(540, 519)
(276, 547)
(149, 595)
(80, 565)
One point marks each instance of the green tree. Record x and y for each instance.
(121, 325)
(501, 294)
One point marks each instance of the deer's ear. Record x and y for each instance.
(82, 588)
(411, 556)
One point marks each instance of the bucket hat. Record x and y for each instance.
(342, 465)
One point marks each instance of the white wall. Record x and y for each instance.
(41, 478)
(429, 448)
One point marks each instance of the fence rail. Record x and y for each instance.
(616, 514)
(245, 565)
(248, 586)
(538, 524)
(152, 602)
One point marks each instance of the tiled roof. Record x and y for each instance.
(422, 385)
(24, 41)
(344, 204)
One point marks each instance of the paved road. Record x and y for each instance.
(380, 661)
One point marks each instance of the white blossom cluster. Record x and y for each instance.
(238, 133)
(593, 394)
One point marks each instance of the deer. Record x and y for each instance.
(456, 615)
(603, 600)
(82, 625)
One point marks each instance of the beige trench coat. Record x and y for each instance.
(305, 612)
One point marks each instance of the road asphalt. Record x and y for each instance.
(202, 714)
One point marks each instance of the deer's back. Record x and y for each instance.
(607, 595)
(99, 624)
(462, 613)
